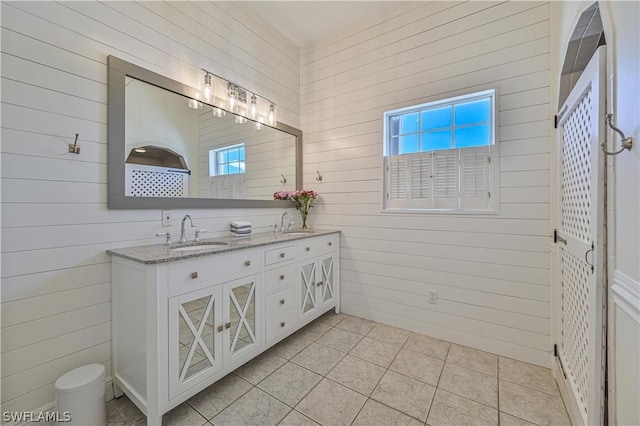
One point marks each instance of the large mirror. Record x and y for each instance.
(168, 151)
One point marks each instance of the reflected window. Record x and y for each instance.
(229, 160)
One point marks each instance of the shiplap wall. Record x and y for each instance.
(55, 223)
(491, 272)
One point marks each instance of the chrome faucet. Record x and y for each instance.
(286, 214)
(183, 237)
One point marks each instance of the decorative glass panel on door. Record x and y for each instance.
(326, 269)
(307, 287)
(242, 316)
(195, 336)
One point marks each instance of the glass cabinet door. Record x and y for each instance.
(326, 287)
(194, 346)
(307, 287)
(242, 327)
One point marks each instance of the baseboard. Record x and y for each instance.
(108, 394)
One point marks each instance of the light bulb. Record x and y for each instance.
(219, 112)
(240, 119)
(254, 106)
(272, 114)
(233, 97)
(194, 104)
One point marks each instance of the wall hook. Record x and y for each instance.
(283, 180)
(74, 148)
(626, 142)
(319, 177)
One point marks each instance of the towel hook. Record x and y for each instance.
(626, 142)
(75, 148)
(283, 180)
(319, 177)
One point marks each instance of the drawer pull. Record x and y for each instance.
(319, 283)
(281, 254)
(282, 324)
(330, 243)
(308, 249)
(282, 301)
(220, 328)
(247, 263)
(227, 325)
(282, 277)
(194, 275)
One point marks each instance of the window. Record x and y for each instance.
(438, 155)
(227, 161)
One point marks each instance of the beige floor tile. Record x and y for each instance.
(529, 375)
(218, 396)
(388, 334)
(418, 366)
(339, 339)
(122, 411)
(375, 351)
(509, 420)
(183, 414)
(405, 394)
(453, 410)
(318, 358)
(295, 418)
(470, 384)
(255, 407)
(357, 374)
(331, 318)
(290, 383)
(313, 330)
(531, 405)
(356, 325)
(291, 346)
(330, 403)
(260, 367)
(473, 359)
(427, 346)
(374, 413)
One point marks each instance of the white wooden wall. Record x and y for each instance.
(55, 223)
(491, 272)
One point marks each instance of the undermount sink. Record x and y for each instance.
(203, 245)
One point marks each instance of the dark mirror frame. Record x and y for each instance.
(118, 70)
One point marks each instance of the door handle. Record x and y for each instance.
(586, 255)
(227, 325)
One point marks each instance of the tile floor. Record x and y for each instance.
(345, 370)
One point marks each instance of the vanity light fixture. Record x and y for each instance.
(208, 89)
(194, 104)
(240, 101)
(141, 150)
(240, 119)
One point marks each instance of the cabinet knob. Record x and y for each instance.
(194, 275)
(330, 243)
(319, 283)
(308, 249)
(282, 277)
(227, 325)
(220, 328)
(282, 324)
(281, 254)
(247, 263)
(282, 301)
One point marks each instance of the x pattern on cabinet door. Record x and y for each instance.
(197, 336)
(327, 278)
(308, 286)
(242, 311)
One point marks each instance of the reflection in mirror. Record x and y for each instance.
(242, 314)
(178, 148)
(192, 356)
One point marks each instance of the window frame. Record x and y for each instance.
(493, 148)
(217, 151)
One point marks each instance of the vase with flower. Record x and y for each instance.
(302, 199)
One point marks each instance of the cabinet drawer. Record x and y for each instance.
(280, 302)
(214, 269)
(278, 255)
(310, 247)
(280, 325)
(278, 278)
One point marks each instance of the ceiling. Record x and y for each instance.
(305, 22)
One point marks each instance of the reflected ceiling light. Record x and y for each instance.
(240, 101)
(141, 150)
(219, 112)
(194, 104)
(240, 119)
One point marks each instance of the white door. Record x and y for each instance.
(580, 242)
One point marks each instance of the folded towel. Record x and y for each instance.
(244, 228)
(243, 234)
(240, 224)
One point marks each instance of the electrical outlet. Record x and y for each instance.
(433, 297)
(167, 217)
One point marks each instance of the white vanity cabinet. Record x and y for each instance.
(180, 325)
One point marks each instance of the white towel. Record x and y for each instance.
(240, 224)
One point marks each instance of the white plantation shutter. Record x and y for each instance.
(396, 192)
(445, 179)
(421, 177)
(475, 178)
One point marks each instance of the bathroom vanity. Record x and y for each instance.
(182, 319)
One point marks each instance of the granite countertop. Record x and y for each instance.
(160, 253)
